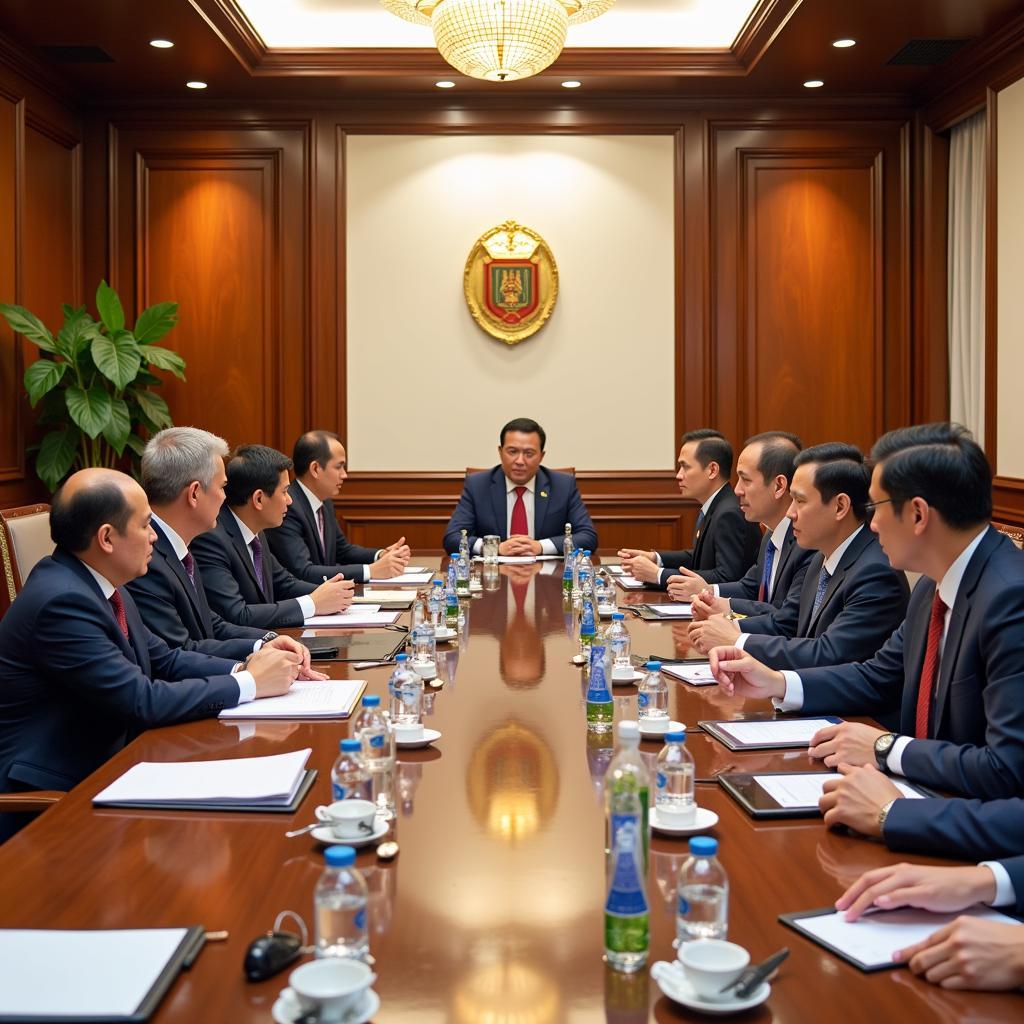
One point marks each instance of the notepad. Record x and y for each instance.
(111, 975)
(804, 789)
(332, 698)
(406, 579)
(628, 583)
(359, 620)
(695, 675)
(615, 570)
(767, 733)
(683, 610)
(376, 598)
(870, 942)
(252, 781)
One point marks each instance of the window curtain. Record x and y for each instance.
(966, 274)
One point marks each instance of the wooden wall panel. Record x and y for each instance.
(12, 447)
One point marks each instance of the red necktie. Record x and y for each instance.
(930, 672)
(519, 526)
(117, 603)
(519, 589)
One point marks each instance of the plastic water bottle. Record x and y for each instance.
(600, 707)
(435, 603)
(626, 914)
(588, 625)
(349, 778)
(652, 694)
(702, 911)
(377, 741)
(618, 641)
(418, 613)
(464, 551)
(584, 577)
(451, 606)
(462, 574)
(453, 573)
(673, 789)
(339, 904)
(406, 690)
(567, 570)
(627, 773)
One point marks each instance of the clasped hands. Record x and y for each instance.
(518, 545)
(277, 664)
(392, 561)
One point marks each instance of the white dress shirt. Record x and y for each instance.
(306, 604)
(547, 545)
(777, 539)
(315, 504)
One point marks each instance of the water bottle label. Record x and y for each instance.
(662, 781)
(643, 700)
(361, 918)
(626, 895)
(683, 907)
(377, 741)
(597, 692)
(339, 792)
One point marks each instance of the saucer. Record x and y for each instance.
(659, 734)
(634, 678)
(428, 737)
(380, 829)
(286, 1009)
(672, 982)
(704, 820)
(444, 633)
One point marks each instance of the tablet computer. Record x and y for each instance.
(767, 732)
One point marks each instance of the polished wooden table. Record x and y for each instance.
(492, 912)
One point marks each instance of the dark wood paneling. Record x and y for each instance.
(12, 449)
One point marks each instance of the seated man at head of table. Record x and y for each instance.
(953, 673)
(244, 582)
(724, 543)
(309, 543)
(81, 672)
(852, 598)
(183, 477)
(769, 593)
(520, 501)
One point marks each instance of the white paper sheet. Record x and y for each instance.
(615, 570)
(405, 579)
(803, 789)
(516, 559)
(359, 620)
(695, 675)
(339, 618)
(779, 730)
(683, 610)
(628, 583)
(99, 974)
(873, 939)
(375, 598)
(332, 698)
(268, 780)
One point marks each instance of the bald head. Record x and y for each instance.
(320, 462)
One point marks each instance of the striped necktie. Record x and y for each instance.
(822, 587)
(766, 576)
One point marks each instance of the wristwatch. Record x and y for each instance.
(265, 639)
(883, 747)
(882, 815)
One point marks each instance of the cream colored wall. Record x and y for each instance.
(1010, 280)
(415, 207)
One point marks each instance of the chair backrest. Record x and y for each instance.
(24, 540)
(571, 470)
(1015, 533)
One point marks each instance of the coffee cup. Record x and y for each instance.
(623, 672)
(348, 819)
(711, 965)
(408, 733)
(654, 725)
(331, 988)
(674, 816)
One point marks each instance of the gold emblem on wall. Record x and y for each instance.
(511, 282)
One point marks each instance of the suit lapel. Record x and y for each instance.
(330, 532)
(783, 557)
(541, 502)
(300, 500)
(849, 559)
(499, 499)
(242, 550)
(163, 545)
(136, 635)
(810, 588)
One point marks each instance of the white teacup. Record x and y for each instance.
(654, 725)
(623, 672)
(676, 817)
(348, 819)
(405, 733)
(331, 987)
(712, 964)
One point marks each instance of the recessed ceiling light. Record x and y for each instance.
(161, 44)
(844, 44)
(814, 83)
(196, 85)
(571, 85)
(445, 85)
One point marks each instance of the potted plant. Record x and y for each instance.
(95, 382)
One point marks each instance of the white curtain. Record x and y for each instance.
(966, 274)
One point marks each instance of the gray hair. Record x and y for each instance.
(175, 457)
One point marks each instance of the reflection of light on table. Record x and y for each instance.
(506, 993)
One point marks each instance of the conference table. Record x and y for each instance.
(492, 912)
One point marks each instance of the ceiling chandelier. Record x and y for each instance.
(498, 40)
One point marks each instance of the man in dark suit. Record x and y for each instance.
(520, 501)
(183, 476)
(851, 599)
(81, 673)
(243, 580)
(724, 543)
(952, 674)
(309, 543)
(764, 472)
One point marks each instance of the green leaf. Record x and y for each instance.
(28, 325)
(154, 408)
(146, 379)
(155, 322)
(164, 359)
(136, 444)
(117, 357)
(109, 306)
(78, 330)
(119, 426)
(89, 409)
(43, 376)
(56, 456)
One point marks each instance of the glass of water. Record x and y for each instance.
(491, 542)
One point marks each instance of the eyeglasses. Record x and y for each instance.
(872, 505)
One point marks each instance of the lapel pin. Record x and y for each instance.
(543, 494)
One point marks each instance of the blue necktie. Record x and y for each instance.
(700, 519)
(822, 587)
(766, 576)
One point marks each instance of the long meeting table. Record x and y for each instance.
(492, 912)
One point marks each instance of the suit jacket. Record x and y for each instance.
(781, 612)
(864, 602)
(232, 588)
(724, 546)
(483, 510)
(977, 713)
(179, 613)
(75, 690)
(296, 543)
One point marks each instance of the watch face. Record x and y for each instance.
(883, 743)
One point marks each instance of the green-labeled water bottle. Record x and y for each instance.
(600, 707)
(626, 913)
(588, 625)
(627, 773)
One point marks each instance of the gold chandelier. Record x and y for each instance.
(498, 40)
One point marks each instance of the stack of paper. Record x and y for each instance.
(334, 698)
(628, 583)
(375, 598)
(673, 611)
(695, 675)
(406, 579)
(359, 618)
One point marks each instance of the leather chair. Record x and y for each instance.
(571, 470)
(24, 540)
(1015, 533)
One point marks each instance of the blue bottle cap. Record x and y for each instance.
(371, 701)
(675, 737)
(340, 856)
(617, 616)
(587, 553)
(438, 583)
(351, 745)
(653, 666)
(401, 658)
(703, 846)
